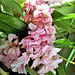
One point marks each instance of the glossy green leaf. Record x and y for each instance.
(2, 72)
(22, 5)
(64, 24)
(60, 70)
(56, 15)
(31, 71)
(62, 41)
(20, 1)
(9, 5)
(10, 24)
(68, 16)
(70, 57)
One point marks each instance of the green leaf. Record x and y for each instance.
(68, 16)
(10, 24)
(60, 70)
(62, 41)
(65, 8)
(31, 71)
(20, 1)
(7, 73)
(56, 15)
(70, 57)
(64, 45)
(22, 5)
(3, 35)
(9, 5)
(2, 72)
(64, 24)
(49, 73)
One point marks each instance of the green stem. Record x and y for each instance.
(67, 60)
(70, 57)
(72, 21)
(60, 33)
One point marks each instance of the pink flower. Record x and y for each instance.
(51, 10)
(4, 44)
(36, 55)
(7, 61)
(24, 42)
(50, 67)
(46, 69)
(14, 52)
(19, 65)
(37, 49)
(11, 37)
(33, 2)
(10, 50)
(29, 49)
(8, 43)
(36, 62)
(43, 8)
(49, 39)
(32, 26)
(27, 17)
(2, 57)
(10, 56)
(53, 52)
(50, 30)
(45, 48)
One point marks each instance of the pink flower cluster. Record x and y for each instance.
(9, 51)
(38, 45)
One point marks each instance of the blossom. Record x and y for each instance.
(33, 2)
(9, 50)
(50, 30)
(10, 56)
(43, 8)
(4, 44)
(32, 26)
(48, 63)
(9, 42)
(14, 52)
(2, 57)
(19, 65)
(50, 67)
(36, 63)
